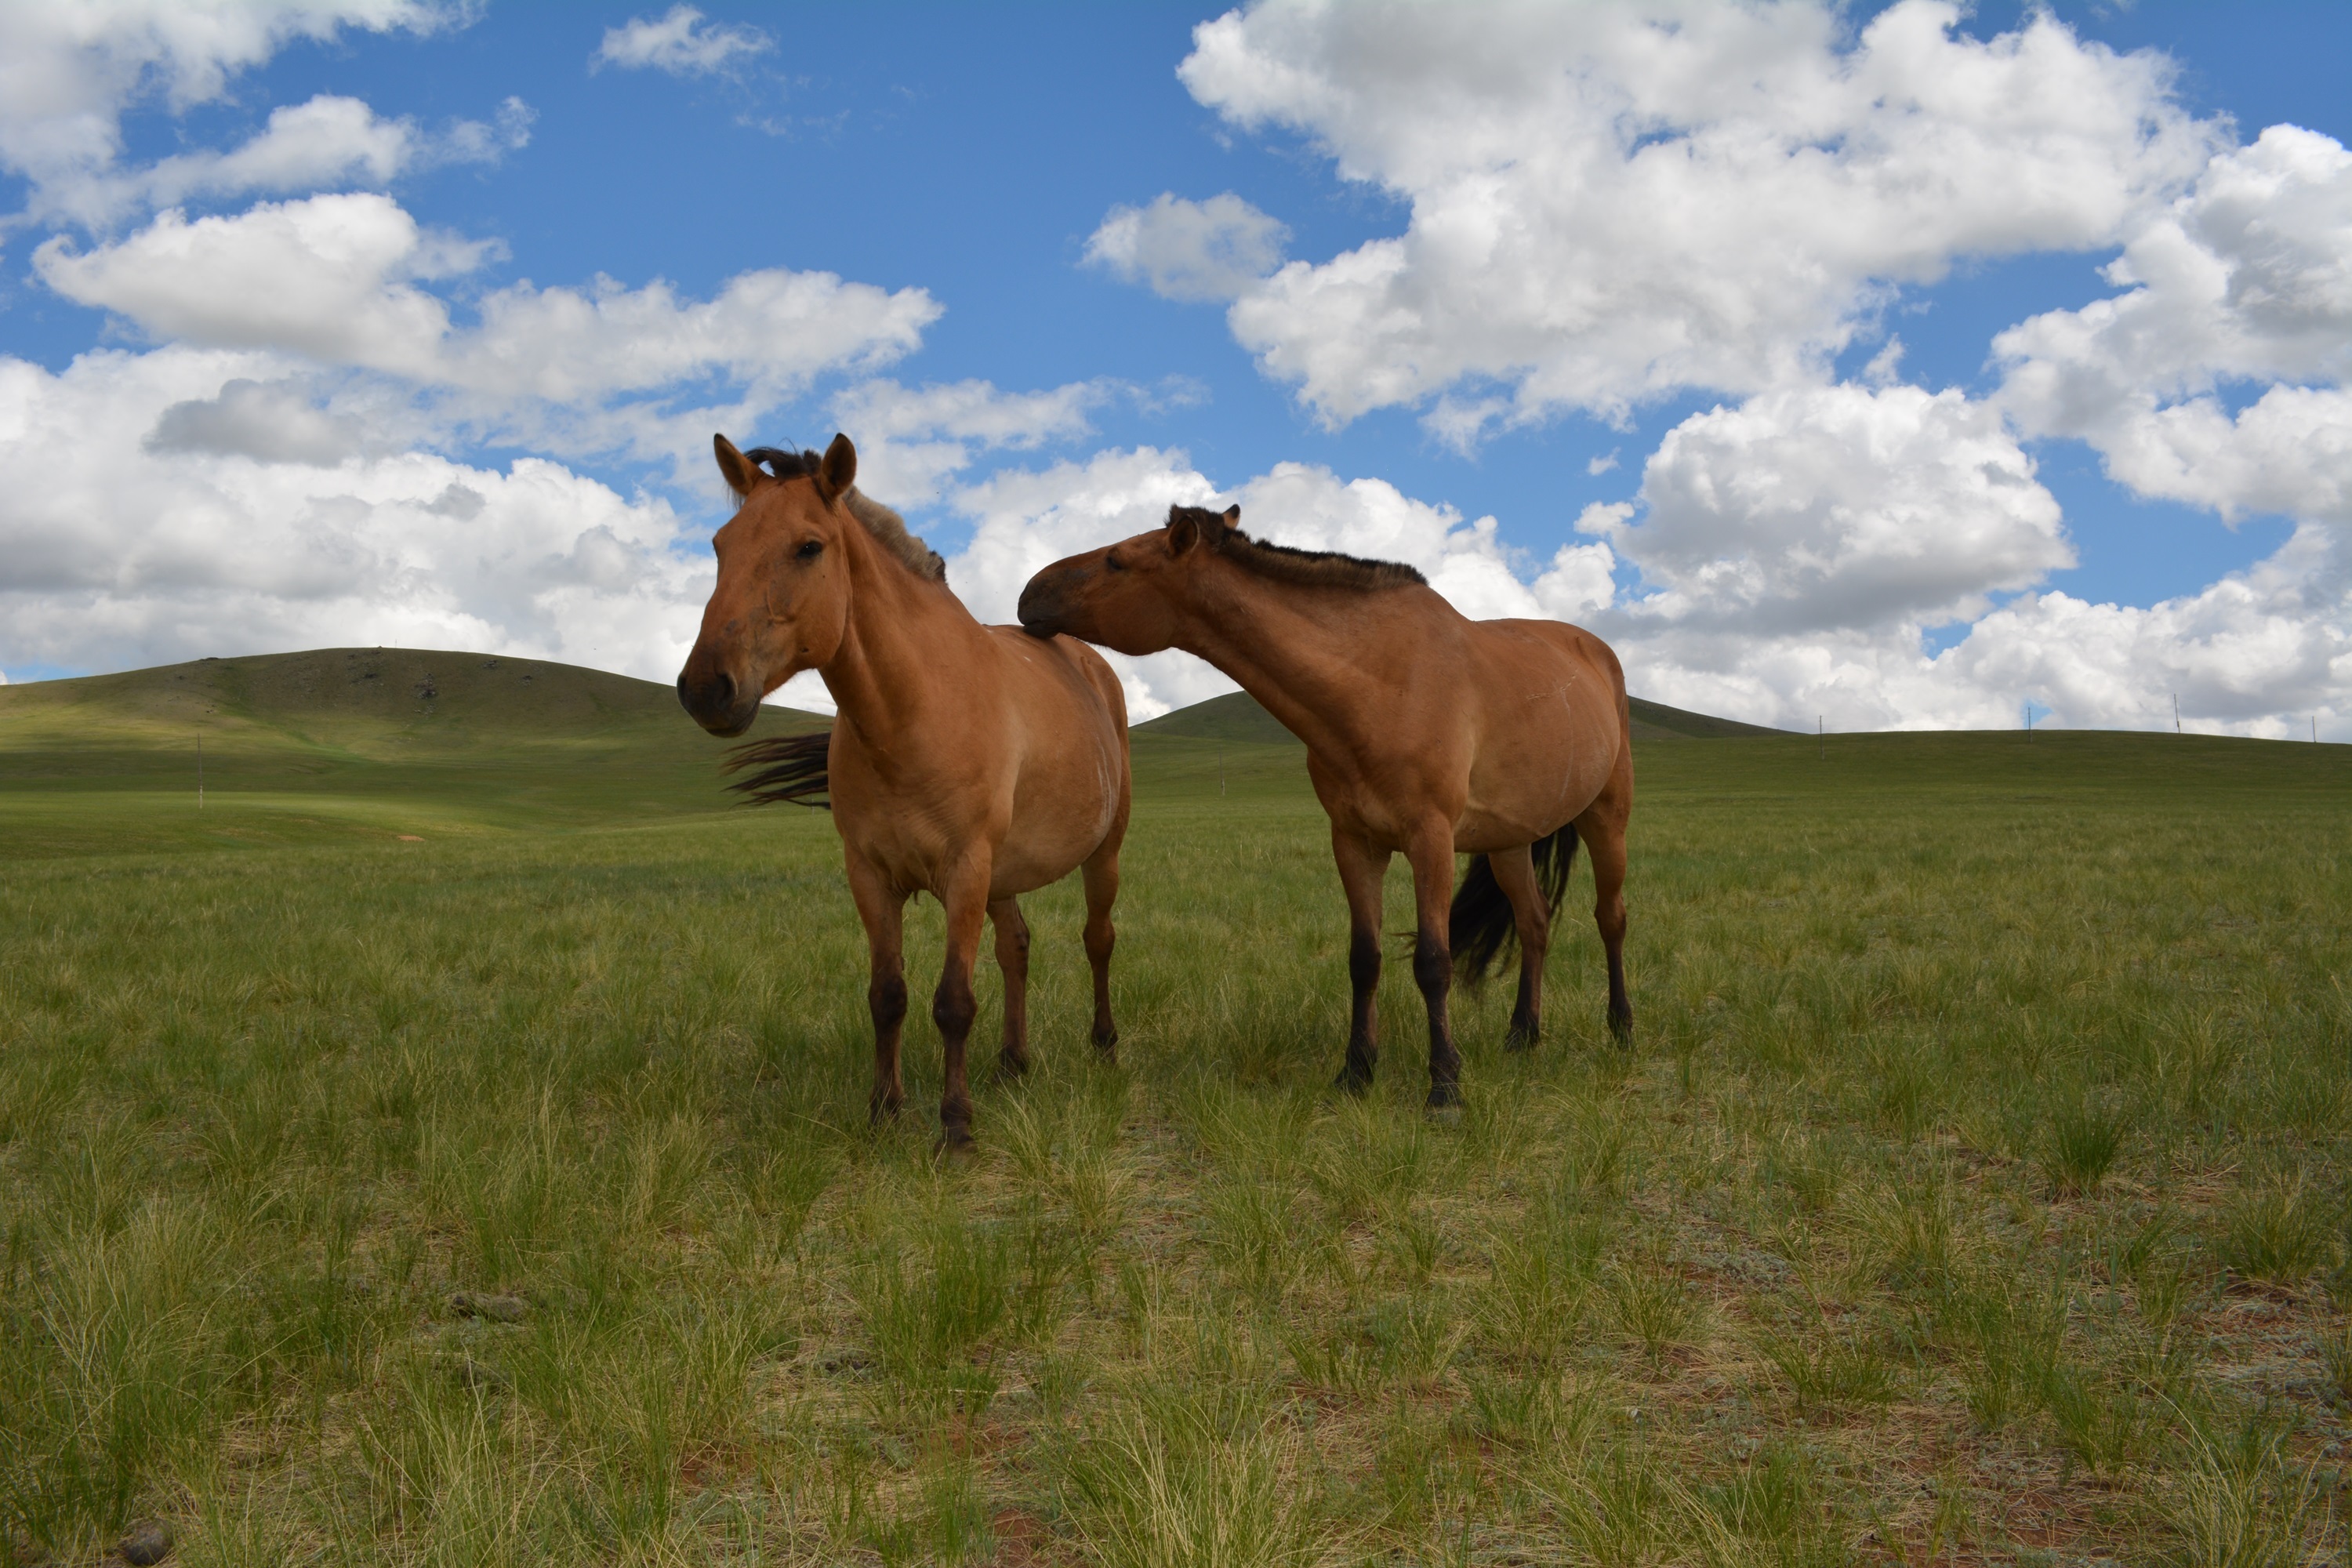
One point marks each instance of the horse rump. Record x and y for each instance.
(792, 768)
(1481, 927)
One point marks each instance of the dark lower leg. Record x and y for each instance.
(885, 999)
(952, 1009)
(1362, 868)
(1621, 1005)
(1515, 873)
(1433, 970)
(1013, 958)
(1607, 841)
(1102, 890)
(1364, 1043)
(1431, 853)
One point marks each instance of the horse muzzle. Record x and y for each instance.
(716, 701)
(1043, 610)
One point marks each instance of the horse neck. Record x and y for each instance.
(1296, 650)
(901, 632)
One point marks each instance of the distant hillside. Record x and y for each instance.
(316, 710)
(1236, 717)
(1656, 721)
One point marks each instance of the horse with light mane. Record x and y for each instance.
(1427, 733)
(972, 763)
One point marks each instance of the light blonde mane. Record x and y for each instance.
(889, 531)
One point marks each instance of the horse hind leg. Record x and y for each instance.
(1515, 873)
(1602, 828)
(1100, 873)
(1013, 958)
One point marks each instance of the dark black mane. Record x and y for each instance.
(1285, 563)
(783, 464)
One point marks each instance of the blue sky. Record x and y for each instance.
(1799, 523)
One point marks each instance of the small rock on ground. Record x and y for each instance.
(146, 1544)
(482, 1304)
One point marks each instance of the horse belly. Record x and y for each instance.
(1540, 770)
(1060, 816)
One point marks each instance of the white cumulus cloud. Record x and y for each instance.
(1608, 201)
(115, 553)
(1838, 507)
(681, 42)
(340, 279)
(1183, 249)
(68, 69)
(911, 438)
(2244, 280)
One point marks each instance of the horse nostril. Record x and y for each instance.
(722, 690)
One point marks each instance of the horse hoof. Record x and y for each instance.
(1010, 1068)
(1621, 1029)
(1445, 1103)
(956, 1147)
(1106, 1045)
(1519, 1040)
(1355, 1085)
(1447, 1115)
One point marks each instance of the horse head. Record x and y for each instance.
(1127, 595)
(782, 603)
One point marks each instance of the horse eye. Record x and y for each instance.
(1114, 563)
(810, 550)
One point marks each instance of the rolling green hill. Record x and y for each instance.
(333, 741)
(382, 742)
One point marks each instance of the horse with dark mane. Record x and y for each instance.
(1427, 733)
(971, 763)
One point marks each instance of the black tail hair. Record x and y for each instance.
(792, 768)
(1481, 928)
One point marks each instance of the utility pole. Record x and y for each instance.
(200, 770)
(2176, 712)
(1221, 769)
(1821, 734)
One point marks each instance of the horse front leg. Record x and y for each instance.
(953, 1007)
(1013, 958)
(1431, 855)
(1101, 876)
(881, 908)
(1363, 869)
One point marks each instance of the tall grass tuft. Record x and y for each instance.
(2241, 1502)
(2079, 1147)
(1172, 1482)
(2274, 1231)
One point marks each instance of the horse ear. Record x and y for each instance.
(1233, 516)
(739, 472)
(838, 472)
(1183, 532)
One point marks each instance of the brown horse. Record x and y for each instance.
(971, 763)
(1426, 732)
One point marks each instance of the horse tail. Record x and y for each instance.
(1482, 928)
(792, 768)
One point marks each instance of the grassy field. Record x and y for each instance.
(450, 1148)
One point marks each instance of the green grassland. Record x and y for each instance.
(449, 1147)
